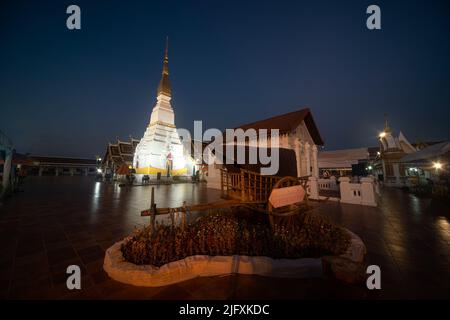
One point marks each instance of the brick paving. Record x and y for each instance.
(59, 221)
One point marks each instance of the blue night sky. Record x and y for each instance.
(67, 93)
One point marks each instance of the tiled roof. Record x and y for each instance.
(288, 122)
(120, 152)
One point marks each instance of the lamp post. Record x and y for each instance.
(98, 168)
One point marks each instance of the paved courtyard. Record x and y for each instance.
(59, 221)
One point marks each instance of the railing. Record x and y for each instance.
(362, 193)
(247, 185)
(328, 184)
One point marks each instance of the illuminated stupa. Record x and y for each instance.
(160, 149)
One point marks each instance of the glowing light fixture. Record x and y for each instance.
(437, 165)
(382, 135)
(99, 170)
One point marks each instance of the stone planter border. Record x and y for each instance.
(206, 266)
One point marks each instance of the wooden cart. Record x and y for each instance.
(244, 188)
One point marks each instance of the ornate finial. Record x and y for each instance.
(386, 124)
(166, 55)
(164, 84)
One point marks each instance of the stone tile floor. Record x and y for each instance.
(59, 221)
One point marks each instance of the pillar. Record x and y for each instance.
(333, 183)
(396, 170)
(56, 171)
(344, 185)
(368, 192)
(313, 185)
(85, 171)
(308, 158)
(71, 171)
(6, 170)
(40, 171)
(298, 154)
(315, 163)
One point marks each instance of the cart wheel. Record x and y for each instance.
(282, 183)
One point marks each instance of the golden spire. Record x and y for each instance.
(164, 83)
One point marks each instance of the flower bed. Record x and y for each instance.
(315, 236)
(245, 234)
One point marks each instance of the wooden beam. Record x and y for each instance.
(200, 207)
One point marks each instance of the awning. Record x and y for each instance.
(429, 153)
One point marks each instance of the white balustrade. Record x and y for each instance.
(328, 184)
(362, 193)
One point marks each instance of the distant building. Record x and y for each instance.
(395, 161)
(431, 162)
(60, 166)
(393, 149)
(347, 162)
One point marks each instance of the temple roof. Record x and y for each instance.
(288, 122)
(164, 83)
(390, 143)
(121, 152)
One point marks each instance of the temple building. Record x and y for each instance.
(430, 162)
(118, 155)
(348, 162)
(299, 141)
(160, 149)
(298, 132)
(392, 150)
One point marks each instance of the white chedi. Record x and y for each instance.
(160, 149)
